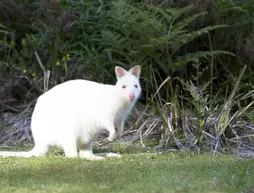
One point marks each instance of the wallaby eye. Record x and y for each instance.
(123, 86)
(136, 86)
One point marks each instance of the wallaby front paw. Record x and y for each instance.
(103, 142)
(106, 141)
(110, 139)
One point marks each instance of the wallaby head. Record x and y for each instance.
(128, 83)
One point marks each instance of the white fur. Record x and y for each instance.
(72, 114)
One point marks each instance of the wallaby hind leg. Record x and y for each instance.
(70, 150)
(110, 154)
(86, 151)
(39, 150)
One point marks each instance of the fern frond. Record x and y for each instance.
(192, 57)
(183, 39)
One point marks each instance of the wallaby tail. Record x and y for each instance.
(17, 153)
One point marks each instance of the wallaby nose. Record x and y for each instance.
(132, 96)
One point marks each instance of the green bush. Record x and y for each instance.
(104, 34)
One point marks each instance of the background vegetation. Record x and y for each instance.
(197, 65)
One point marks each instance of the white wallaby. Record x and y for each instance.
(73, 114)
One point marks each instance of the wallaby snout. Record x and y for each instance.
(131, 96)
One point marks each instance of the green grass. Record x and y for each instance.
(134, 172)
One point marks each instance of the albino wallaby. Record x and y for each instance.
(73, 114)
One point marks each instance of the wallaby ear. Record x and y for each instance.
(136, 70)
(120, 72)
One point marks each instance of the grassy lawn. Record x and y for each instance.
(134, 172)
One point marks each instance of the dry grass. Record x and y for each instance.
(15, 130)
(238, 138)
